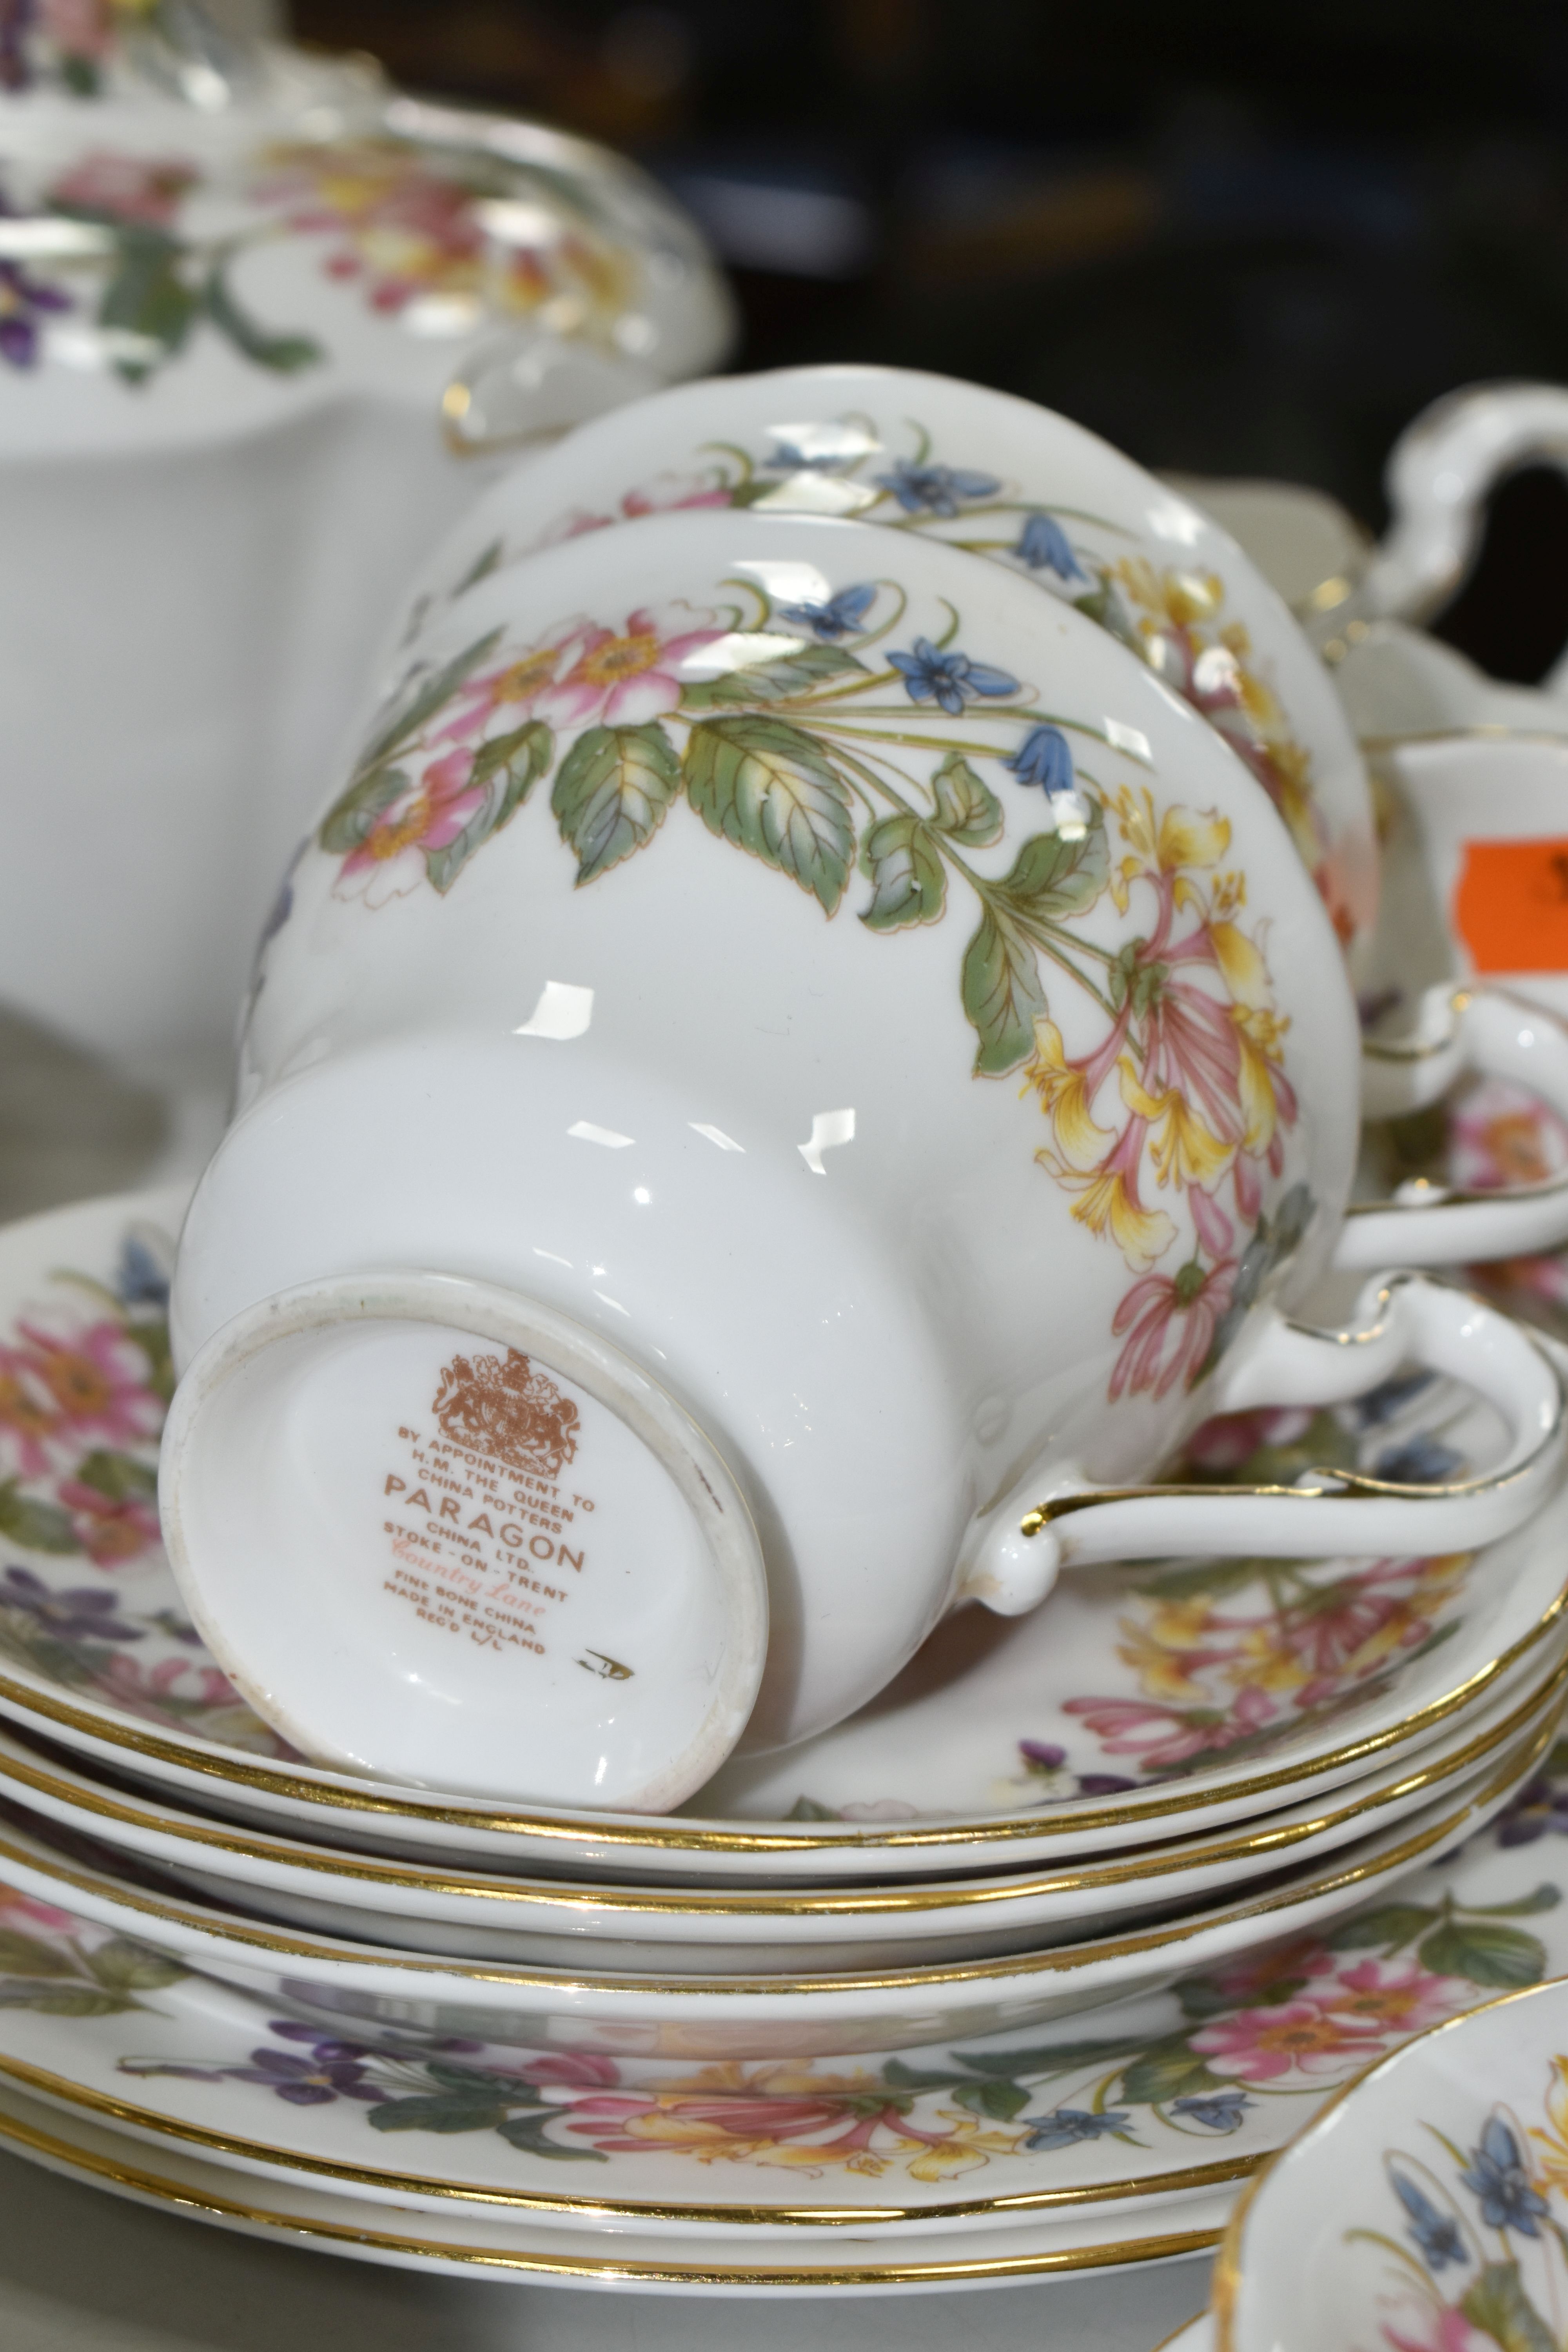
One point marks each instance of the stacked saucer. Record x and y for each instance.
(819, 2029)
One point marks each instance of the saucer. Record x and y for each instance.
(714, 1930)
(329, 2223)
(1184, 2092)
(1156, 1701)
(763, 2014)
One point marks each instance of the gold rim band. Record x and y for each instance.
(19, 1772)
(1054, 1960)
(41, 2084)
(670, 1835)
(28, 2138)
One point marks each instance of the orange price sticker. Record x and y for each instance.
(1511, 909)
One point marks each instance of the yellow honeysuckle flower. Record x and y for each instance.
(1121, 879)
(1182, 1148)
(1160, 1673)
(1241, 963)
(1190, 596)
(1135, 820)
(1259, 1106)
(968, 2146)
(1064, 1097)
(1192, 837)
(1264, 1662)
(1141, 1235)
(1554, 2142)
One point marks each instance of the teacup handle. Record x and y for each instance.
(1459, 1029)
(1032, 1535)
(1437, 478)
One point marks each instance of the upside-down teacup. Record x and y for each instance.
(794, 1068)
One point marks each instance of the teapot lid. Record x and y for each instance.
(198, 237)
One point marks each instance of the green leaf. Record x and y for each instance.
(807, 1809)
(967, 810)
(39, 1526)
(1201, 1998)
(27, 1956)
(1545, 1898)
(1058, 873)
(1390, 1924)
(612, 792)
(352, 815)
(428, 696)
(772, 681)
(530, 2133)
(1498, 2304)
(482, 2081)
(481, 567)
(908, 878)
(1001, 2100)
(437, 2111)
(1169, 2072)
(284, 355)
(1484, 1955)
(920, 2078)
(769, 787)
(119, 1476)
(1001, 995)
(509, 766)
(122, 1965)
(146, 295)
(65, 2000)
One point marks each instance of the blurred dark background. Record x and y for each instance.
(1234, 239)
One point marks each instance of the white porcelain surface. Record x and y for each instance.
(224, 564)
(1144, 1704)
(967, 1270)
(931, 455)
(762, 2015)
(1425, 2206)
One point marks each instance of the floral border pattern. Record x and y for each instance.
(1174, 618)
(50, 1960)
(1481, 2260)
(85, 1382)
(790, 729)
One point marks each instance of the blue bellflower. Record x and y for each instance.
(787, 459)
(841, 616)
(1219, 2110)
(1497, 2178)
(1437, 2234)
(1043, 757)
(1064, 2125)
(1045, 546)
(951, 680)
(935, 489)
